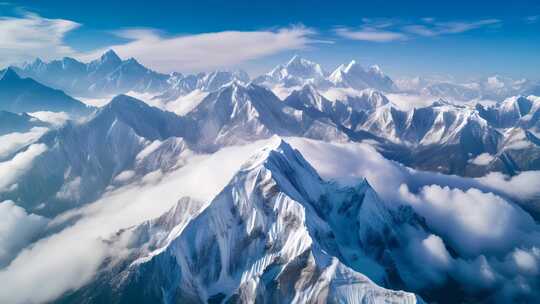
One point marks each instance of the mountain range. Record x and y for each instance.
(277, 230)
(27, 95)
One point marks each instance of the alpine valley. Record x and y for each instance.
(300, 185)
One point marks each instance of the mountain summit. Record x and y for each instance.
(264, 238)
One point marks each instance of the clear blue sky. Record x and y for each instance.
(460, 38)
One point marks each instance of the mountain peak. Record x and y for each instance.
(122, 100)
(132, 60)
(10, 74)
(353, 66)
(110, 55)
(277, 156)
(375, 69)
(295, 59)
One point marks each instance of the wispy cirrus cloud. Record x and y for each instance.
(392, 30)
(434, 28)
(29, 36)
(207, 50)
(370, 34)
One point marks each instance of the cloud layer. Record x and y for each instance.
(208, 50)
(17, 228)
(495, 240)
(12, 169)
(29, 36)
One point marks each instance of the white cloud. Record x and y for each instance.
(208, 50)
(524, 186)
(436, 249)
(434, 28)
(53, 118)
(385, 31)
(12, 169)
(17, 229)
(370, 34)
(526, 261)
(30, 35)
(429, 262)
(11, 142)
(75, 253)
(482, 159)
(472, 221)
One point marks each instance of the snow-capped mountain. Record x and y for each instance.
(276, 233)
(348, 113)
(354, 76)
(240, 114)
(451, 91)
(27, 95)
(440, 137)
(296, 72)
(122, 141)
(105, 76)
(495, 88)
(513, 111)
(205, 82)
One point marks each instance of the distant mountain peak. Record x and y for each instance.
(124, 100)
(376, 69)
(110, 55)
(352, 65)
(295, 59)
(10, 74)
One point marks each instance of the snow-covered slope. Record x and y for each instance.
(124, 140)
(239, 114)
(348, 113)
(296, 72)
(354, 76)
(204, 82)
(513, 111)
(276, 233)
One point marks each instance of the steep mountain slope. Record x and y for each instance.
(276, 233)
(107, 75)
(12, 122)
(27, 95)
(354, 76)
(296, 72)
(440, 137)
(238, 114)
(513, 112)
(124, 140)
(205, 82)
(309, 100)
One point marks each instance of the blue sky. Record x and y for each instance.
(406, 38)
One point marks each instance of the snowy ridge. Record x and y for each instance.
(105, 76)
(264, 241)
(354, 76)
